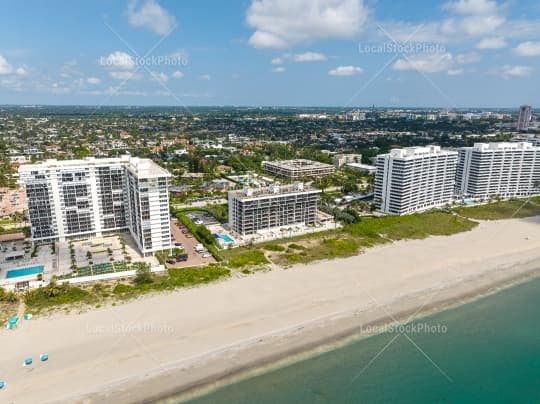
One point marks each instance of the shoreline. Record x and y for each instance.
(193, 340)
(317, 346)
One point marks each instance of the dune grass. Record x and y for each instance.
(514, 208)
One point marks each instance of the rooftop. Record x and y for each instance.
(504, 146)
(298, 163)
(420, 152)
(273, 190)
(139, 166)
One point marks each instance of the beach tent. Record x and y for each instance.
(12, 322)
(27, 316)
(27, 361)
(44, 357)
(2, 384)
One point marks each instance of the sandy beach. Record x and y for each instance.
(158, 345)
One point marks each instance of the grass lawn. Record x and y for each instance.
(176, 278)
(315, 250)
(514, 208)
(243, 256)
(58, 295)
(419, 226)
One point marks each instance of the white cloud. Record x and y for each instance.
(509, 71)
(159, 77)
(205, 77)
(345, 71)
(528, 48)
(125, 75)
(93, 80)
(70, 69)
(309, 57)
(5, 67)
(425, 63)
(468, 7)
(467, 58)
(284, 23)
(496, 42)
(22, 71)
(118, 61)
(279, 69)
(455, 72)
(278, 61)
(474, 17)
(178, 75)
(151, 16)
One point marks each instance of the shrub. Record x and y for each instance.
(143, 275)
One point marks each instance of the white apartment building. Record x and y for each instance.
(343, 159)
(297, 169)
(93, 197)
(505, 170)
(415, 179)
(251, 210)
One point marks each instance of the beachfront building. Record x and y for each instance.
(252, 210)
(415, 179)
(94, 197)
(505, 170)
(297, 169)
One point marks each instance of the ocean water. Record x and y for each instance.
(487, 351)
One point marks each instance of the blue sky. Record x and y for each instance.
(457, 53)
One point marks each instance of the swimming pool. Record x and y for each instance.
(226, 238)
(16, 273)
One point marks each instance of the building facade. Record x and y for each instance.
(297, 169)
(524, 118)
(505, 170)
(251, 210)
(342, 159)
(95, 197)
(415, 179)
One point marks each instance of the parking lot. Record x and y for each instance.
(181, 235)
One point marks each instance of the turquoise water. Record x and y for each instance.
(487, 351)
(226, 238)
(16, 273)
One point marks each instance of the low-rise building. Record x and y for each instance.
(297, 169)
(342, 159)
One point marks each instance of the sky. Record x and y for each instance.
(345, 53)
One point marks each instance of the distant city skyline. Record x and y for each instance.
(344, 53)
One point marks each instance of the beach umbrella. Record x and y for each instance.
(44, 357)
(27, 362)
(27, 316)
(2, 384)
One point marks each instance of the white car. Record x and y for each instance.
(206, 255)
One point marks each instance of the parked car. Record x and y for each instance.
(206, 255)
(178, 244)
(171, 262)
(181, 257)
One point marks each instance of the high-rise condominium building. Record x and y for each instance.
(415, 179)
(251, 210)
(498, 169)
(297, 169)
(524, 118)
(94, 197)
